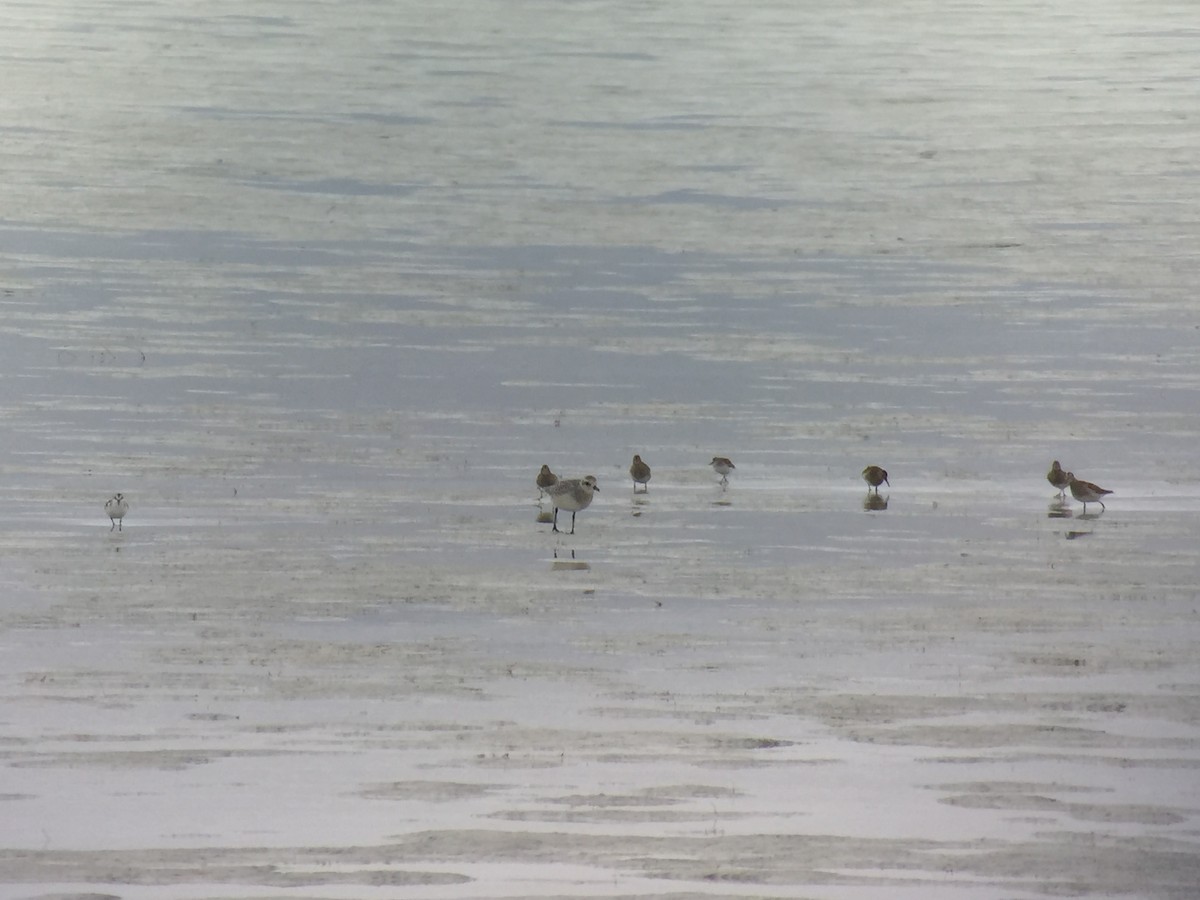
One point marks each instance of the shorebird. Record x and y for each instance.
(722, 466)
(545, 479)
(874, 477)
(1086, 492)
(115, 508)
(573, 494)
(640, 473)
(1058, 478)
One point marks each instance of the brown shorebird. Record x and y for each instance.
(1058, 478)
(874, 477)
(545, 479)
(640, 473)
(1086, 492)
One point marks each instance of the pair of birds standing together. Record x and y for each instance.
(640, 472)
(575, 494)
(1083, 491)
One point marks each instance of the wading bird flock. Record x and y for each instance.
(575, 494)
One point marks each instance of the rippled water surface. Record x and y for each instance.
(319, 287)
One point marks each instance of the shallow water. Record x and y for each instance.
(319, 288)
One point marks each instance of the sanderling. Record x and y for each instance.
(1058, 478)
(1086, 492)
(573, 494)
(722, 466)
(874, 476)
(545, 479)
(640, 473)
(115, 508)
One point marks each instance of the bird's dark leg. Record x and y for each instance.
(573, 520)
(555, 528)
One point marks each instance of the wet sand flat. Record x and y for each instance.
(234, 718)
(319, 289)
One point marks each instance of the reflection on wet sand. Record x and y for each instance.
(1059, 509)
(875, 502)
(639, 501)
(568, 562)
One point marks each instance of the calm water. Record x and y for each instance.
(320, 286)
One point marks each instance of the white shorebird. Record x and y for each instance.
(722, 466)
(573, 494)
(1086, 492)
(545, 479)
(115, 508)
(640, 473)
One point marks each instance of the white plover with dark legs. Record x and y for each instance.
(572, 494)
(115, 508)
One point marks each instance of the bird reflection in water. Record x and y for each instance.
(568, 562)
(875, 502)
(1059, 508)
